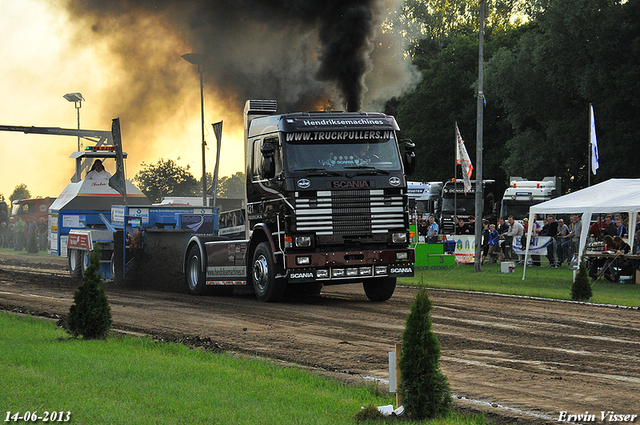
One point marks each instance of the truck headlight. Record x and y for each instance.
(337, 272)
(365, 271)
(303, 241)
(399, 237)
(379, 270)
(404, 255)
(352, 271)
(303, 261)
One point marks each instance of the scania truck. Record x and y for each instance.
(458, 204)
(326, 203)
(522, 194)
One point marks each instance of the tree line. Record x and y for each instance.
(545, 62)
(166, 178)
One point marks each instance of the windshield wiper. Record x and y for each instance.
(369, 170)
(317, 172)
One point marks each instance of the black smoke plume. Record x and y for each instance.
(303, 53)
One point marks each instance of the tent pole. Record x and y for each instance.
(526, 250)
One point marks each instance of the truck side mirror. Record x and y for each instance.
(409, 157)
(268, 161)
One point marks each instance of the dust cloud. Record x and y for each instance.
(306, 54)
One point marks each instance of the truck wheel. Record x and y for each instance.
(195, 277)
(85, 262)
(263, 275)
(379, 289)
(75, 258)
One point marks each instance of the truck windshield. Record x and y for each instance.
(466, 204)
(517, 210)
(334, 155)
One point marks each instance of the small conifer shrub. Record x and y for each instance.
(581, 288)
(90, 313)
(425, 389)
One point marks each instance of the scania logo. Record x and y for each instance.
(350, 183)
(300, 275)
(304, 183)
(394, 181)
(401, 270)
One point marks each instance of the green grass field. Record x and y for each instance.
(127, 380)
(136, 380)
(541, 282)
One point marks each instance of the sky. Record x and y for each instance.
(41, 61)
(124, 57)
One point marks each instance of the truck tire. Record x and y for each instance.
(263, 275)
(75, 258)
(194, 276)
(379, 289)
(85, 262)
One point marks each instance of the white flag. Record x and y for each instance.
(595, 160)
(462, 158)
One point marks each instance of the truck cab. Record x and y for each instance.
(523, 194)
(458, 204)
(326, 203)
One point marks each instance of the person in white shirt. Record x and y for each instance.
(97, 172)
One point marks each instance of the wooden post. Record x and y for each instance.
(399, 378)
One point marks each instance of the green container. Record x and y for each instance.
(431, 257)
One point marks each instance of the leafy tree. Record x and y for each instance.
(425, 389)
(447, 94)
(20, 192)
(231, 186)
(577, 52)
(442, 20)
(90, 313)
(166, 178)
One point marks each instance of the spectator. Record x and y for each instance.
(485, 240)
(494, 248)
(42, 234)
(503, 227)
(535, 230)
(4, 235)
(510, 238)
(462, 228)
(21, 234)
(596, 228)
(609, 227)
(562, 238)
(423, 230)
(596, 263)
(621, 229)
(551, 230)
(432, 235)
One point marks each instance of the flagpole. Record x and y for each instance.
(455, 179)
(590, 150)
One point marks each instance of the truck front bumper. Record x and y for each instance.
(349, 265)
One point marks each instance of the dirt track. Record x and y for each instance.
(535, 358)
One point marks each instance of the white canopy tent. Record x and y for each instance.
(611, 196)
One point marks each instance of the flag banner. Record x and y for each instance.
(118, 181)
(462, 158)
(595, 159)
(217, 129)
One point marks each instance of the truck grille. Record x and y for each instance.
(350, 212)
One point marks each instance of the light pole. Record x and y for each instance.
(77, 99)
(200, 59)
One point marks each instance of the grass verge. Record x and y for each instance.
(541, 282)
(126, 380)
